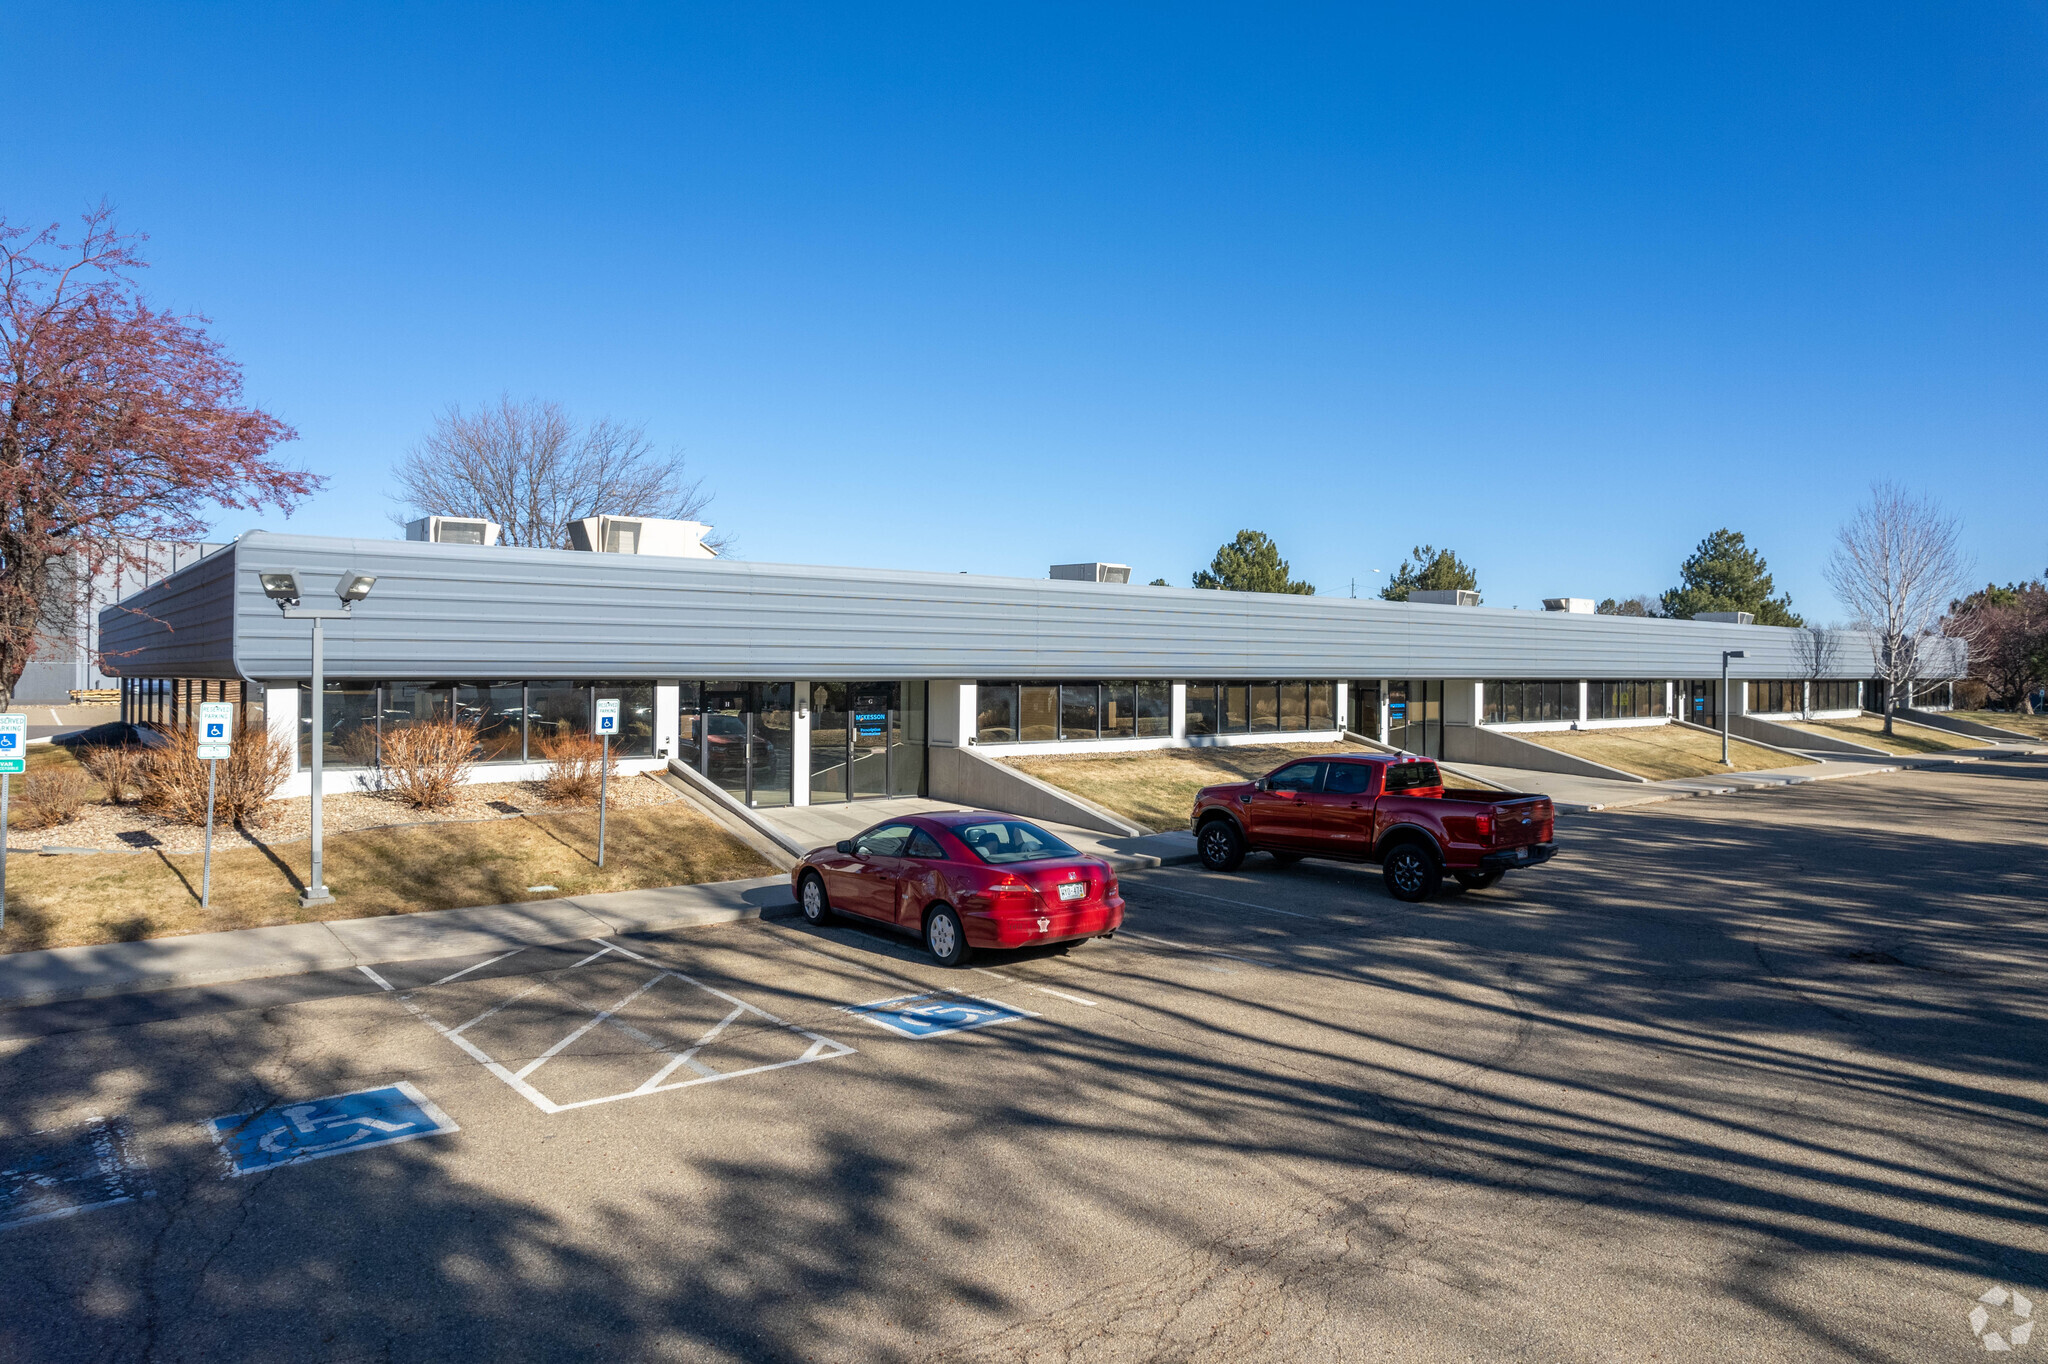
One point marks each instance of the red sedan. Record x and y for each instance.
(962, 880)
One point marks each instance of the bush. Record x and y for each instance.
(1972, 694)
(575, 762)
(50, 797)
(174, 780)
(425, 764)
(118, 769)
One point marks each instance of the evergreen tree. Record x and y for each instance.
(1434, 570)
(1725, 574)
(1250, 563)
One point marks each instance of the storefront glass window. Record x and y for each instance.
(1155, 709)
(498, 710)
(1080, 708)
(349, 715)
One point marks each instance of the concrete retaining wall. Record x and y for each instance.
(964, 776)
(1935, 719)
(1773, 735)
(717, 802)
(1490, 747)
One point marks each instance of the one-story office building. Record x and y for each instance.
(792, 685)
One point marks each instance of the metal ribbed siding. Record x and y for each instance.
(458, 611)
(181, 625)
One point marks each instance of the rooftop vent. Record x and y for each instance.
(1092, 573)
(452, 530)
(1453, 596)
(640, 535)
(1574, 606)
(1728, 617)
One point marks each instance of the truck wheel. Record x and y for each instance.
(1476, 880)
(1411, 872)
(1221, 845)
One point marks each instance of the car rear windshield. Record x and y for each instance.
(1012, 840)
(1411, 776)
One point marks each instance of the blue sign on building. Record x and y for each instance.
(293, 1133)
(870, 722)
(932, 1015)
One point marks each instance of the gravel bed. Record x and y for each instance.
(127, 828)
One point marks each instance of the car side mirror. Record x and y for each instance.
(1260, 785)
(845, 845)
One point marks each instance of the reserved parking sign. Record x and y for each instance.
(13, 744)
(607, 716)
(216, 729)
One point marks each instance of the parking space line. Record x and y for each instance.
(501, 1004)
(481, 1057)
(986, 972)
(594, 955)
(1058, 994)
(382, 983)
(689, 1057)
(478, 967)
(1187, 947)
(537, 1062)
(1244, 904)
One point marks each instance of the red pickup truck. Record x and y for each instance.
(1388, 809)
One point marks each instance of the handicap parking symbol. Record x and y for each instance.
(216, 731)
(932, 1015)
(294, 1133)
(7, 741)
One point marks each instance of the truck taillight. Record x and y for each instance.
(1485, 825)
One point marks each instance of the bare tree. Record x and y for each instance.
(1818, 648)
(1896, 566)
(532, 469)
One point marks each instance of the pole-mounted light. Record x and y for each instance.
(354, 586)
(1726, 654)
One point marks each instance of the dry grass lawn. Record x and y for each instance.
(1156, 789)
(61, 901)
(1905, 737)
(2034, 726)
(1662, 752)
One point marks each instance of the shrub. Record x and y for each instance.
(118, 769)
(50, 797)
(1972, 694)
(174, 780)
(425, 764)
(575, 762)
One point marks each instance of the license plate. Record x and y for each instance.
(1521, 854)
(1073, 890)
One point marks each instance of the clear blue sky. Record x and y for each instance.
(976, 287)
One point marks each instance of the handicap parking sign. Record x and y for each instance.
(933, 1015)
(13, 742)
(294, 1133)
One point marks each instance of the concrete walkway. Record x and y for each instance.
(1581, 794)
(293, 949)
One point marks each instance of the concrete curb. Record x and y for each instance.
(28, 978)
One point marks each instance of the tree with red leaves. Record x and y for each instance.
(119, 422)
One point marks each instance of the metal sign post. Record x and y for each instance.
(216, 719)
(13, 759)
(1726, 654)
(607, 725)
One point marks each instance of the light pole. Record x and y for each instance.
(1726, 654)
(284, 589)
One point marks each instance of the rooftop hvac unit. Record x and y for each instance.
(1572, 606)
(453, 530)
(640, 535)
(1728, 617)
(1453, 596)
(1092, 573)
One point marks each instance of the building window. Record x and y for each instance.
(1204, 708)
(1935, 694)
(348, 714)
(1511, 702)
(498, 710)
(1265, 700)
(1365, 708)
(1155, 709)
(1778, 697)
(1080, 710)
(1322, 705)
(1294, 705)
(635, 738)
(1038, 710)
(1632, 700)
(1119, 710)
(995, 718)
(1834, 695)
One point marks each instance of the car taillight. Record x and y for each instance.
(1484, 823)
(1010, 887)
(1543, 835)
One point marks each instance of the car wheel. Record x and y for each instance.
(1411, 872)
(944, 938)
(1476, 880)
(1220, 845)
(811, 896)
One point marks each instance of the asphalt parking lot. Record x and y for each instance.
(1763, 1077)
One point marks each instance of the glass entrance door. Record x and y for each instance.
(1415, 717)
(745, 740)
(872, 724)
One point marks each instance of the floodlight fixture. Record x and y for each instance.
(281, 587)
(354, 586)
(1727, 654)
